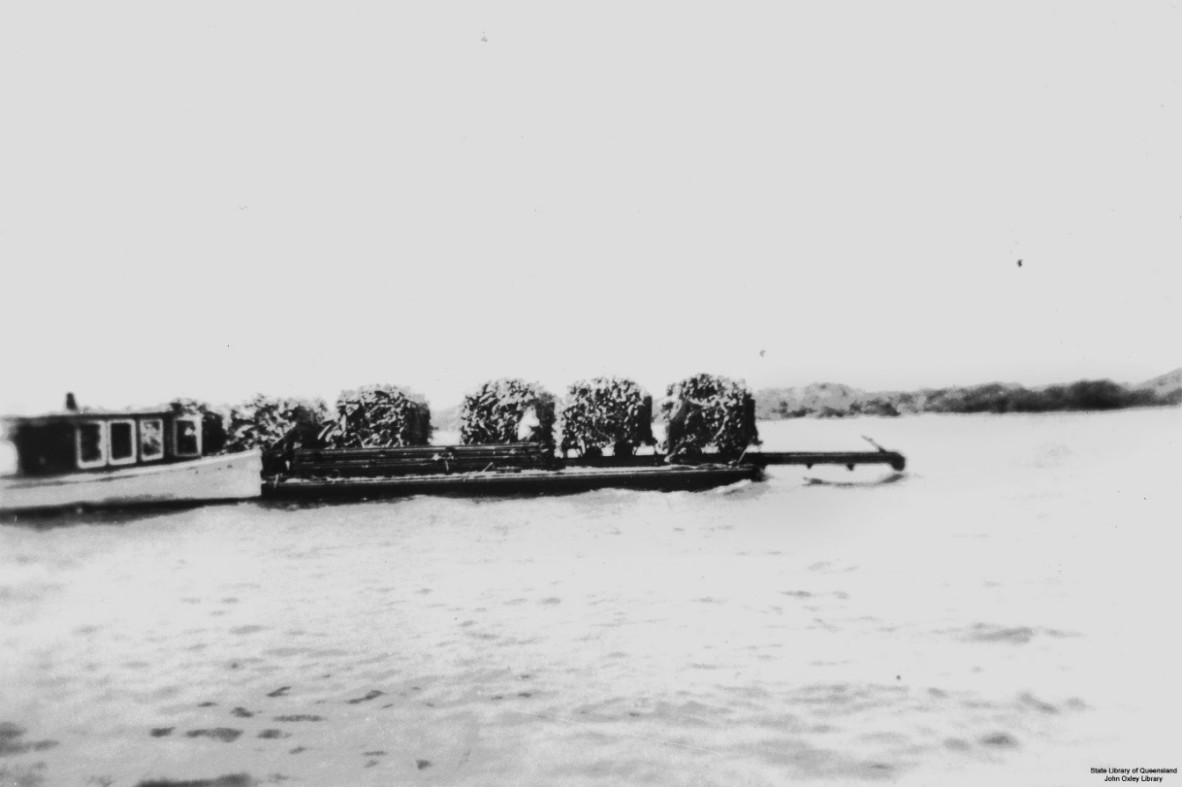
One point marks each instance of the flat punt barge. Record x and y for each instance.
(517, 469)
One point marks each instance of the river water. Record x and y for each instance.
(1004, 609)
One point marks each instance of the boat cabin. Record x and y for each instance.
(92, 441)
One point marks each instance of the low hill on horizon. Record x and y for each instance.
(1168, 384)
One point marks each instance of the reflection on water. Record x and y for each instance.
(990, 610)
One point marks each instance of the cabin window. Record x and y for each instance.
(151, 439)
(186, 437)
(121, 435)
(91, 440)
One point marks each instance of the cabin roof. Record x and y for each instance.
(77, 416)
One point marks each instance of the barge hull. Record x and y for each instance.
(525, 482)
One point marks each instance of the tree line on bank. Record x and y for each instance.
(605, 414)
(830, 400)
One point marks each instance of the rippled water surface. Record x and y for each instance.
(1006, 608)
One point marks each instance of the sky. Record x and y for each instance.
(218, 199)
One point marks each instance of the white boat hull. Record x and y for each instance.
(212, 478)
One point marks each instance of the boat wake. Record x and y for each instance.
(731, 489)
(890, 478)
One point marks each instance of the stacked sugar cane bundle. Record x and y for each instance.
(508, 411)
(606, 411)
(708, 411)
(264, 421)
(380, 416)
(213, 422)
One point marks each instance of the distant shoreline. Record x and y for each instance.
(834, 400)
